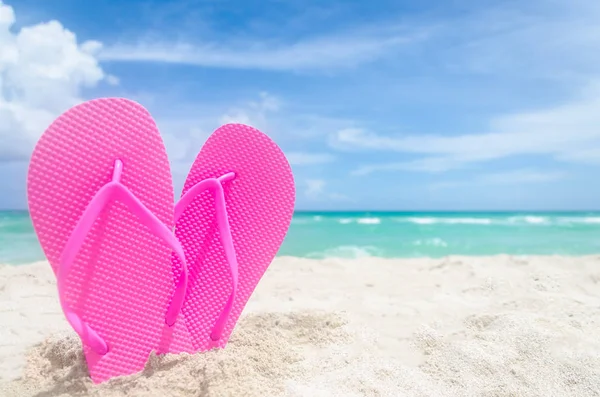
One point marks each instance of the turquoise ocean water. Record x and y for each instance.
(391, 234)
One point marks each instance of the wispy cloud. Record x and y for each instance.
(426, 164)
(538, 39)
(520, 176)
(568, 133)
(339, 50)
(306, 158)
(316, 190)
(253, 113)
(512, 177)
(190, 124)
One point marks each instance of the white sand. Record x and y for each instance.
(496, 326)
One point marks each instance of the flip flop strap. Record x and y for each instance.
(215, 184)
(115, 191)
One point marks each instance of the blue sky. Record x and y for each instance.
(382, 105)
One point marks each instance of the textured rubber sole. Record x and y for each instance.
(260, 205)
(122, 279)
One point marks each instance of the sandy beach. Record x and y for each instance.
(457, 326)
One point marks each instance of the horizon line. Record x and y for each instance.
(406, 211)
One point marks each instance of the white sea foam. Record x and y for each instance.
(528, 219)
(536, 219)
(423, 221)
(587, 220)
(431, 242)
(369, 221)
(466, 221)
(348, 252)
(515, 220)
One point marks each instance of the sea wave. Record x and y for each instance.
(466, 221)
(493, 220)
(431, 242)
(529, 219)
(591, 220)
(421, 221)
(369, 221)
(362, 221)
(347, 252)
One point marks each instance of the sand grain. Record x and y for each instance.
(494, 326)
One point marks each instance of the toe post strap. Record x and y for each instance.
(216, 186)
(108, 193)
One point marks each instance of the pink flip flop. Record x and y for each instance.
(235, 210)
(101, 200)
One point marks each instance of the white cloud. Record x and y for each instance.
(185, 130)
(541, 38)
(184, 134)
(548, 39)
(253, 113)
(589, 156)
(112, 80)
(316, 190)
(512, 177)
(536, 41)
(324, 52)
(520, 176)
(568, 132)
(425, 164)
(43, 70)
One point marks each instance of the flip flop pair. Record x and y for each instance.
(136, 273)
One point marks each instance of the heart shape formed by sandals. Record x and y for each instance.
(100, 196)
